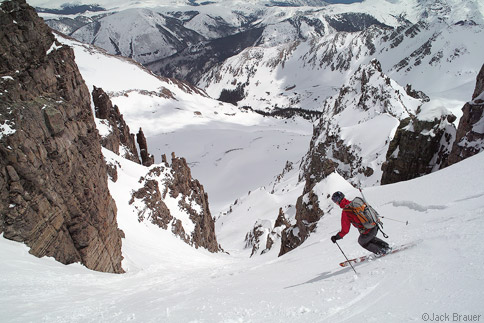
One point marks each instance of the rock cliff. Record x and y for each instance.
(418, 148)
(422, 146)
(117, 138)
(54, 195)
(146, 158)
(470, 132)
(194, 200)
(188, 216)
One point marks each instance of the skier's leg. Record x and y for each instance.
(367, 241)
(376, 249)
(380, 242)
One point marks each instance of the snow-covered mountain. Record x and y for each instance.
(303, 54)
(137, 35)
(268, 179)
(303, 60)
(407, 37)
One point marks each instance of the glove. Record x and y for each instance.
(335, 237)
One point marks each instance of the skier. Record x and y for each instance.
(367, 239)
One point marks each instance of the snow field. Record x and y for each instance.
(230, 160)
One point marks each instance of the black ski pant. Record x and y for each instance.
(370, 242)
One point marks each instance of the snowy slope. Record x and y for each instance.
(229, 151)
(138, 33)
(441, 275)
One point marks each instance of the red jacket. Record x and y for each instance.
(348, 218)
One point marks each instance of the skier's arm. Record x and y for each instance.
(345, 225)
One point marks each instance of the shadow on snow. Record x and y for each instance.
(322, 276)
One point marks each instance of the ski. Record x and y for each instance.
(373, 256)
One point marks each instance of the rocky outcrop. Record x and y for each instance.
(418, 148)
(171, 199)
(308, 213)
(152, 206)
(253, 239)
(470, 132)
(118, 136)
(281, 220)
(479, 89)
(416, 94)
(192, 193)
(264, 234)
(54, 195)
(421, 146)
(146, 158)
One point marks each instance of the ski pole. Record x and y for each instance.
(384, 217)
(346, 257)
(362, 195)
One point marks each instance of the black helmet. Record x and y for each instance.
(337, 197)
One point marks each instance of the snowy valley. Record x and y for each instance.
(235, 224)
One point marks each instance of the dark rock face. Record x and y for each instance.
(479, 86)
(281, 220)
(470, 132)
(252, 238)
(146, 158)
(154, 207)
(263, 235)
(416, 94)
(308, 214)
(353, 22)
(119, 135)
(175, 182)
(418, 148)
(54, 195)
(192, 191)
